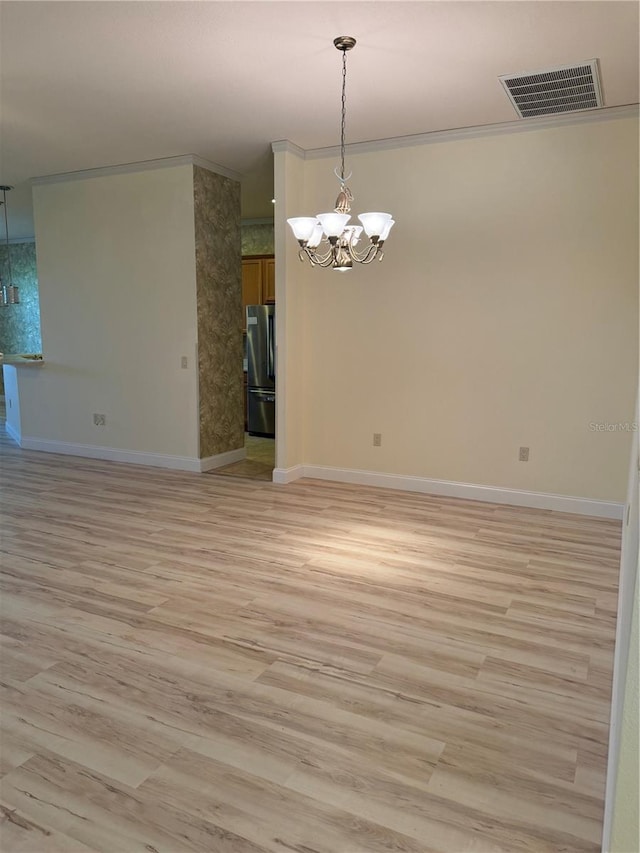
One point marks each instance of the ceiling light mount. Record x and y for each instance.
(345, 42)
(8, 292)
(340, 239)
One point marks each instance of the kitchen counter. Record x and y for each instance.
(13, 376)
(17, 360)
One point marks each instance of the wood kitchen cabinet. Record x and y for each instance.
(269, 280)
(258, 282)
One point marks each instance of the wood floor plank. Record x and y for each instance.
(13, 752)
(287, 819)
(90, 808)
(201, 663)
(85, 735)
(19, 834)
(552, 823)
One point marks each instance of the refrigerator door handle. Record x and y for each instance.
(270, 354)
(268, 341)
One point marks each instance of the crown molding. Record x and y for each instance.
(289, 147)
(142, 166)
(215, 167)
(519, 126)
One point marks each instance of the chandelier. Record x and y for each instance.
(8, 293)
(327, 239)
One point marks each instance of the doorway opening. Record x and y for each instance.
(259, 391)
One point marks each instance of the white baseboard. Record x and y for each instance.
(14, 434)
(402, 482)
(112, 454)
(288, 475)
(446, 488)
(212, 462)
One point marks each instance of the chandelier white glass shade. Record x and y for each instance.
(8, 292)
(327, 239)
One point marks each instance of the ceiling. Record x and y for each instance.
(90, 84)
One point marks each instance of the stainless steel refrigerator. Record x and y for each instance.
(261, 370)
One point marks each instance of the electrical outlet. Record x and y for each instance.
(184, 362)
(377, 439)
(99, 420)
(523, 455)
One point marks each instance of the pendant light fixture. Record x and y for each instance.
(327, 239)
(8, 292)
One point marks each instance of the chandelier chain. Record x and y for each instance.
(344, 113)
(6, 231)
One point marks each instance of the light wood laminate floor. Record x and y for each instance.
(196, 663)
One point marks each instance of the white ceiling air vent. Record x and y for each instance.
(565, 89)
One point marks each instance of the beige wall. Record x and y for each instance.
(291, 300)
(116, 266)
(504, 313)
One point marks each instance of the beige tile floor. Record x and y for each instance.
(258, 465)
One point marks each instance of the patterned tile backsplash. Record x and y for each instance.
(257, 238)
(20, 324)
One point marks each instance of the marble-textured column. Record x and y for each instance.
(219, 300)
